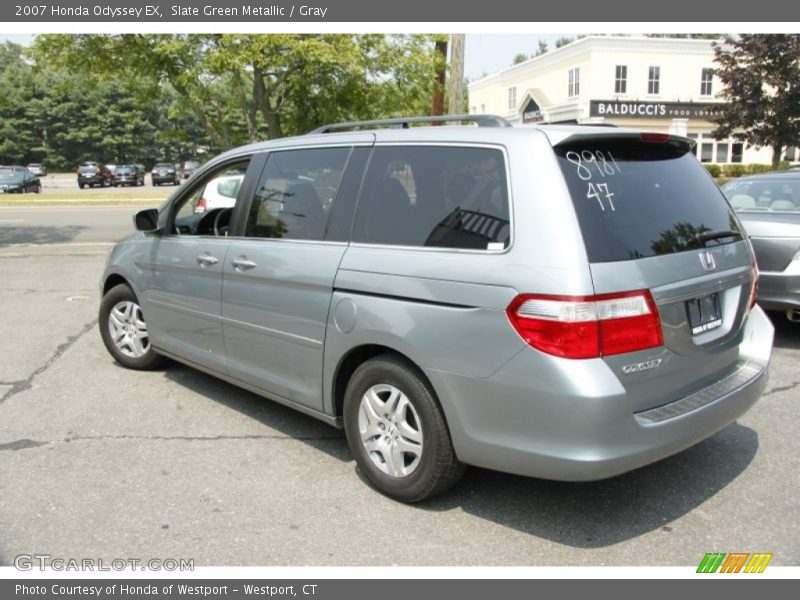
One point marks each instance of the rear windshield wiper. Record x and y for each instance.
(717, 234)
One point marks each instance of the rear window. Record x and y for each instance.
(769, 193)
(639, 199)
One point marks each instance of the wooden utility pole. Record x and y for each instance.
(440, 57)
(455, 87)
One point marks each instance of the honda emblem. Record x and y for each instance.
(707, 260)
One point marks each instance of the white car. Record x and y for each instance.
(220, 192)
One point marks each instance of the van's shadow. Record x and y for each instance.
(787, 333)
(271, 414)
(584, 515)
(603, 513)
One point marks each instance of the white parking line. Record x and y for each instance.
(61, 245)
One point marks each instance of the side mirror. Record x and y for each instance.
(146, 220)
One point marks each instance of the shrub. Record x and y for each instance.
(715, 170)
(735, 170)
(757, 168)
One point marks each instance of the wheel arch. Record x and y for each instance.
(357, 356)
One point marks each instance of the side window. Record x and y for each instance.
(196, 212)
(295, 193)
(451, 197)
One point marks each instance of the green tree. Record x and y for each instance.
(563, 41)
(244, 87)
(542, 49)
(761, 78)
(520, 57)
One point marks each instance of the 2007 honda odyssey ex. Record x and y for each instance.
(563, 302)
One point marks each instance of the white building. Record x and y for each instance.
(655, 84)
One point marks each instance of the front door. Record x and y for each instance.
(183, 282)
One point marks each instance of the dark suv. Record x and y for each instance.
(164, 172)
(188, 167)
(93, 173)
(128, 175)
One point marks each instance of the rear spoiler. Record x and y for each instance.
(603, 135)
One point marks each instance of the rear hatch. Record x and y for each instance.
(652, 219)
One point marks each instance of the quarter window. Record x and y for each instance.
(654, 81)
(706, 80)
(621, 79)
(436, 197)
(295, 193)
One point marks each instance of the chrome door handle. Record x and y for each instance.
(242, 264)
(206, 259)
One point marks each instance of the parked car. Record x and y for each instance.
(92, 173)
(768, 206)
(188, 168)
(18, 180)
(165, 173)
(37, 169)
(562, 302)
(220, 192)
(128, 175)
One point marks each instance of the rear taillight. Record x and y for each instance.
(753, 287)
(587, 326)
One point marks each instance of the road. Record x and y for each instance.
(98, 461)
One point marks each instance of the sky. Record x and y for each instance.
(484, 54)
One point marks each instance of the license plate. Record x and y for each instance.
(704, 313)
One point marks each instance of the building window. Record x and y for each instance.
(574, 82)
(722, 152)
(790, 154)
(621, 80)
(654, 81)
(706, 153)
(512, 98)
(483, 108)
(706, 78)
(738, 151)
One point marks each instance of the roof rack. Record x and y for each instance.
(405, 122)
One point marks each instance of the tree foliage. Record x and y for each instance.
(761, 78)
(242, 88)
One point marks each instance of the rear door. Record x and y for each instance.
(653, 219)
(278, 276)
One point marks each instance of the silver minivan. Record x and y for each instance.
(564, 302)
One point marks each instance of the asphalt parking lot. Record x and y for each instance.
(97, 461)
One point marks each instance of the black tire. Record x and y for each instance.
(81, 185)
(438, 468)
(116, 295)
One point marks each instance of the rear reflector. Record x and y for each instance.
(587, 326)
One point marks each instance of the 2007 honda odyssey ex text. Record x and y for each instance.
(564, 302)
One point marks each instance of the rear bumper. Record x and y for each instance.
(780, 290)
(577, 425)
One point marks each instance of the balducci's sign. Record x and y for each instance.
(532, 113)
(652, 110)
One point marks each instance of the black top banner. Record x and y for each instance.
(253, 11)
